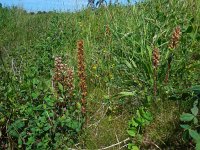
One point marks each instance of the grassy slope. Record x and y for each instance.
(31, 42)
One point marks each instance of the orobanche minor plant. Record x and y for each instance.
(192, 124)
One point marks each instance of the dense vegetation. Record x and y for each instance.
(118, 77)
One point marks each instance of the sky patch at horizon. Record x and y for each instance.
(50, 5)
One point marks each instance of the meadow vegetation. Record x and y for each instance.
(117, 77)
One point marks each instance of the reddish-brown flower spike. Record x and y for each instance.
(175, 38)
(156, 57)
(57, 72)
(81, 74)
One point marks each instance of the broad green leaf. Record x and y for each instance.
(135, 147)
(195, 103)
(31, 140)
(195, 120)
(130, 145)
(194, 135)
(75, 124)
(186, 117)
(147, 116)
(195, 110)
(133, 123)
(197, 146)
(132, 132)
(141, 121)
(185, 126)
(13, 133)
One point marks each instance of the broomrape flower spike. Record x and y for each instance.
(82, 76)
(57, 78)
(65, 76)
(175, 38)
(172, 45)
(156, 59)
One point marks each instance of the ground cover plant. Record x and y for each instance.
(116, 77)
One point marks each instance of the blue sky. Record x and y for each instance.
(47, 5)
